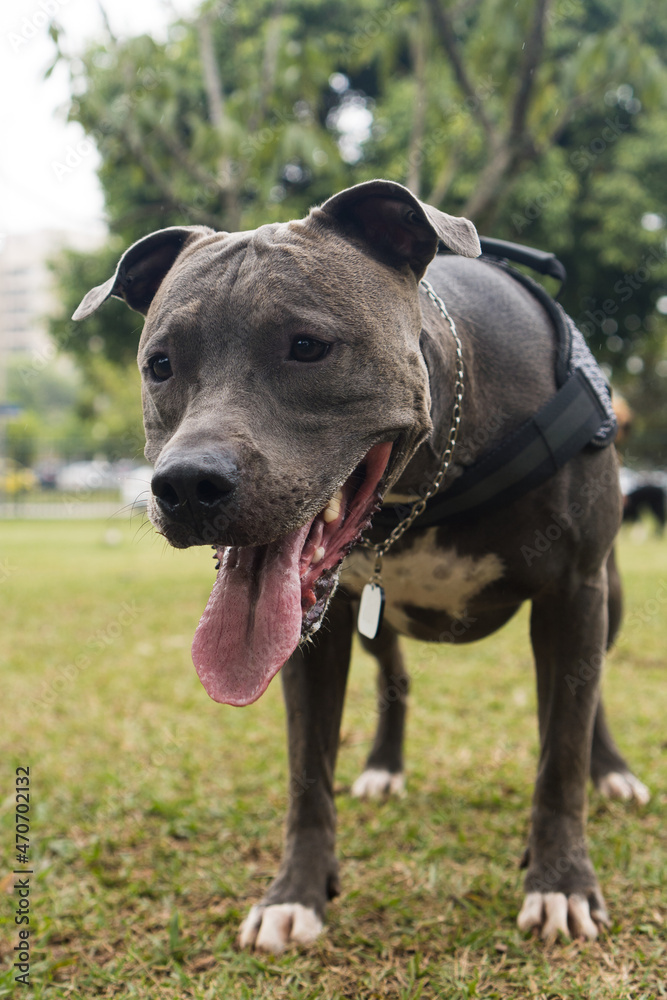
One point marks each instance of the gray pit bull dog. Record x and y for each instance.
(293, 377)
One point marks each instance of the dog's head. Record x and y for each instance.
(284, 390)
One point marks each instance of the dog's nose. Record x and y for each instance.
(203, 481)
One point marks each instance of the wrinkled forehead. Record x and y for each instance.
(277, 269)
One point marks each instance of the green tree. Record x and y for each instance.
(545, 122)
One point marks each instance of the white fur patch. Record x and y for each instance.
(555, 916)
(623, 785)
(581, 922)
(554, 913)
(425, 576)
(375, 783)
(273, 928)
(531, 912)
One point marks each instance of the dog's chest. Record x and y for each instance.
(423, 576)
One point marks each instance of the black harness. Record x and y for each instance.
(540, 446)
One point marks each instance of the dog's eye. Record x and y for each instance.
(308, 349)
(160, 366)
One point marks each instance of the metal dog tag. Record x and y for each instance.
(371, 607)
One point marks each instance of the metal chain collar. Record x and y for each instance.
(381, 548)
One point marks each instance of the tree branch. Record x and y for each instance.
(212, 81)
(499, 172)
(419, 118)
(450, 44)
(216, 110)
(518, 147)
(444, 180)
(138, 149)
(270, 62)
(107, 24)
(534, 47)
(183, 156)
(580, 101)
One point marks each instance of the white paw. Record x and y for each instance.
(552, 913)
(273, 928)
(623, 785)
(373, 784)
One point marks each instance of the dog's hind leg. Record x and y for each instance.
(614, 599)
(568, 629)
(314, 681)
(610, 773)
(383, 772)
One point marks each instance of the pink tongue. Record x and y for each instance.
(252, 622)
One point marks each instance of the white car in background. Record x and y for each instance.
(86, 477)
(135, 486)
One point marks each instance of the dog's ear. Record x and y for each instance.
(399, 226)
(141, 269)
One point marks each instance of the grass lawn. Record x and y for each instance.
(156, 814)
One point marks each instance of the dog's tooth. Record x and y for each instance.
(332, 510)
(318, 555)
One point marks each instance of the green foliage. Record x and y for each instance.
(40, 385)
(113, 331)
(46, 391)
(64, 414)
(544, 122)
(105, 412)
(22, 436)
(109, 408)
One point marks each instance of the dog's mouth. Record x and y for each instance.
(268, 598)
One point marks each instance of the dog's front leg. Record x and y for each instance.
(314, 683)
(568, 631)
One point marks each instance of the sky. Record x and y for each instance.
(34, 194)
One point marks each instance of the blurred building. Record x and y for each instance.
(26, 286)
